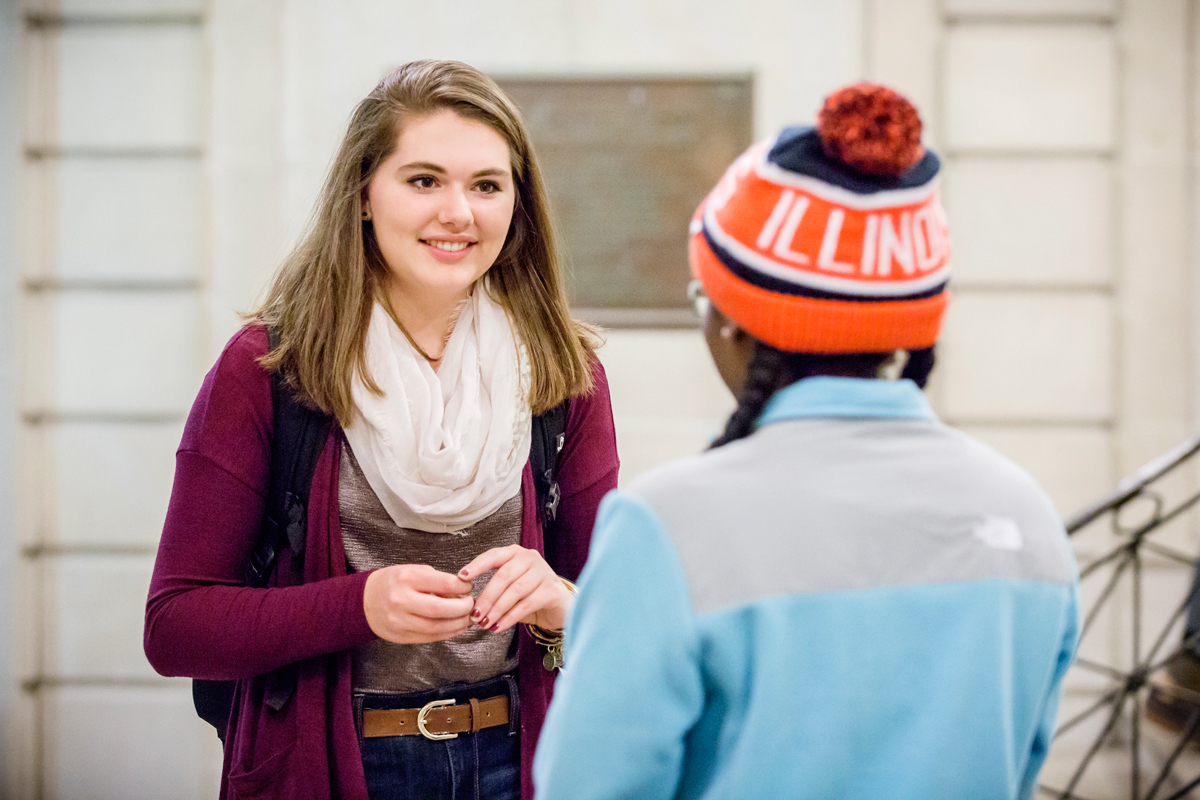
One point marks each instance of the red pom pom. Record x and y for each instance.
(872, 129)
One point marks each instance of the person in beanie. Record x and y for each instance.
(842, 597)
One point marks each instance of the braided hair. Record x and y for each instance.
(772, 369)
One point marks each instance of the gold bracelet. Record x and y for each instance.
(544, 637)
(552, 640)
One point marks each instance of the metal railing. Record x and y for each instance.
(1116, 575)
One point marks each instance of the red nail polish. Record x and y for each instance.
(494, 628)
(483, 623)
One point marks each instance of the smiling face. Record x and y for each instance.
(441, 205)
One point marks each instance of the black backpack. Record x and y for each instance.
(300, 433)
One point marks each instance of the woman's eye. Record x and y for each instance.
(422, 182)
(489, 187)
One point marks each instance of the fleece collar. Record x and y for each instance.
(827, 396)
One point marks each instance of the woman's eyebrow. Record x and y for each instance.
(428, 166)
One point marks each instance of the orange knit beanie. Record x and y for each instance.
(831, 239)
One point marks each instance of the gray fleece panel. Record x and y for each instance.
(824, 505)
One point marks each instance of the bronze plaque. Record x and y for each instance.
(626, 161)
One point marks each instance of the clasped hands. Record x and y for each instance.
(414, 603)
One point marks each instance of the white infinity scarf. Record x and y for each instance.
(442, 450)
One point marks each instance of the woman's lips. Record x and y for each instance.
(448, 255)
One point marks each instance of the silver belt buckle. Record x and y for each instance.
(424, 712)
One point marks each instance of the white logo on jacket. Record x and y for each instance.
(999, 532)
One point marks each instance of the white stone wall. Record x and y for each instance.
(9, 164)
(170, 151)
(112, 261)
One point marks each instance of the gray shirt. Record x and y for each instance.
(372, 540)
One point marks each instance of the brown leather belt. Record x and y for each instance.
(440, 719)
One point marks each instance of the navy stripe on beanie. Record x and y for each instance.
(798, 149)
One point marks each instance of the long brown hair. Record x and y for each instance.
(321, 298)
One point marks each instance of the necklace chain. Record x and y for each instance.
(396, 319)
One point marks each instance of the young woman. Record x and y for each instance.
(843, 597)
(424, 312)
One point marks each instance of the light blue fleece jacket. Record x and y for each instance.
(855, 601)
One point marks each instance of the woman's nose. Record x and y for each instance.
(456, 210)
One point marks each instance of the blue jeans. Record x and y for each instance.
(475, 766)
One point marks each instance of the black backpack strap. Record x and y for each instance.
(300, 433)
(548, 437)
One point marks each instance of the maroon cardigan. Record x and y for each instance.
(202, 622)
